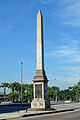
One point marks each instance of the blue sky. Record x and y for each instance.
(61, 22)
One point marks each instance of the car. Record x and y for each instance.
(67, 101)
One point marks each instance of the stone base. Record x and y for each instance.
(40, 104)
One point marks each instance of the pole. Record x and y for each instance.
(56, 95)
(4, 94)
(21, 81)
(56, 92)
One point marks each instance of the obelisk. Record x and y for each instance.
(40, 80)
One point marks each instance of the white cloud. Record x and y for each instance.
(67, 55)
(70, 12)
(68, 52)
(47, 1)
(68, 76)
(64, 80)
(67, 49)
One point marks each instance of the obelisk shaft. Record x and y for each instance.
(40, 100)
(40, 49)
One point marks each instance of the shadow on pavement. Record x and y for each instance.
(4, 119)
(12, 108)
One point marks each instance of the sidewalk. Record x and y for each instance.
(23, 113)
(59, 108)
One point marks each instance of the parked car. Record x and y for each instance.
(67, 101)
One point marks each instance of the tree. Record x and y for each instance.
(62, 95)
(56, 91)
(50, 93)
(78, 84)
(4, 86)
(12, 96)
(15, 86)
(28, 91)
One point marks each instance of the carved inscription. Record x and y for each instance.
(38, 90)
(41, 104)
(35, 105)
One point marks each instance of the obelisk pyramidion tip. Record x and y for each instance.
(39, 12)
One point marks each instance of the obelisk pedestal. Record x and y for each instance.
(40, 80)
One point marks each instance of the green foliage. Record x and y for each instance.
(54, 92)
(15, 86)
(50, 93)
(12, 96)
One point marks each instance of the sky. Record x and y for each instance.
(61, 26)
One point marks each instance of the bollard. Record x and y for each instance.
(26, 110)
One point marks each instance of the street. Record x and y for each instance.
(58, 116)
(12, 108)
(9, 112)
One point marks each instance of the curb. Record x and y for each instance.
(5, 105)
(51, 112)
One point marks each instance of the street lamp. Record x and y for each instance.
(21, 80)
(56, 92)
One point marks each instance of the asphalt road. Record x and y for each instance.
(12, 108)
(11, 111)
(58, 116)
(15, 108)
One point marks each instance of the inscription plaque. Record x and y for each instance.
(38, 90)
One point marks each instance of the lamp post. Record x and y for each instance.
(21, 80)
(56, 92)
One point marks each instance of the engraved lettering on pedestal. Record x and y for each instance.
(35, 105)
(41, 104)
(38, 90)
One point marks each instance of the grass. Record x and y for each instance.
(14, 103)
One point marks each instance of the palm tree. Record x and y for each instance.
(16, 88)
(56, 89)
(28, 91)
(4, 86)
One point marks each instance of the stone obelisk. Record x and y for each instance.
(40, 80)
